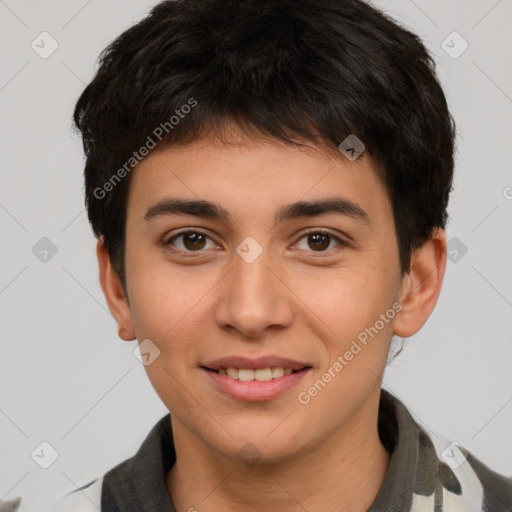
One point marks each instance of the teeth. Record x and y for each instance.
(261, 374)
(232, 372)
(246, 374)
(277, 372)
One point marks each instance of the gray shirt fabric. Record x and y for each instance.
(415, 472)
(425, 474)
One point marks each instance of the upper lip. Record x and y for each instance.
(255, 363)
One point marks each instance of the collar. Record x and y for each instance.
(417, 479)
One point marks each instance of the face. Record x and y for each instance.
(253, 277)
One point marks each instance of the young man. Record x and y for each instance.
(268, 182)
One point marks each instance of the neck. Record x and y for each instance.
(343, 472)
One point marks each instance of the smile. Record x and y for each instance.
(255, 385)
(260, 374)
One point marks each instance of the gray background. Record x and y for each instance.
(65, 376)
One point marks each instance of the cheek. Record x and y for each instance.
(165, 307)
(355, 300)
(167, 312)
(360, 311)
(357, 346)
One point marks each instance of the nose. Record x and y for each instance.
(252, 298)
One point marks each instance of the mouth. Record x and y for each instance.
(259, 374)
(255, 380)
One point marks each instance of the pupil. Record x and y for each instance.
(193, 241)
(317, 237)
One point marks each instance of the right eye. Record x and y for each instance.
(191, 241)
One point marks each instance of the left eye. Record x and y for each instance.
(319, 241)
(195, 241)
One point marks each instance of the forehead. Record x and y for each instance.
(254, 177)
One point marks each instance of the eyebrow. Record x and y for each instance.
(209, 210)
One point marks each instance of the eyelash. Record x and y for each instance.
(312, 231)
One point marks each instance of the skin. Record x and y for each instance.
(295, 300)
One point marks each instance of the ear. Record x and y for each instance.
(421, 287)
(114, 294)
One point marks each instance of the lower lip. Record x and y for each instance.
(256, 390)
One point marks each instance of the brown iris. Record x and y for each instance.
(193, 240)
(321, 241)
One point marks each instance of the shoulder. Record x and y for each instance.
(438, 473)
(472, 484)
(497, 488)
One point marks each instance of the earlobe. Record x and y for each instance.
(114, 294)
(421, 287)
